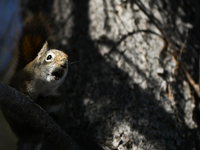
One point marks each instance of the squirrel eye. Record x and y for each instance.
(49, 57)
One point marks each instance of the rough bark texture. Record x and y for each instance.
(125, 86)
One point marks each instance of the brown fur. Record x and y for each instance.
(30, 43)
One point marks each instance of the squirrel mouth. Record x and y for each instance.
(57, 74)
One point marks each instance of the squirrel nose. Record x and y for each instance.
(64, 65)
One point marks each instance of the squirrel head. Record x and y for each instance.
(52, 65)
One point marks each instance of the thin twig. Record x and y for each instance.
(181, 50)
(157, 24)
(190, 80)
(127, 35)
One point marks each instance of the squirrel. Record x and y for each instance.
(40, 75)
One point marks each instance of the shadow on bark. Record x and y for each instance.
(119, 100)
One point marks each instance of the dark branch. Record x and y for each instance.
(33, 113)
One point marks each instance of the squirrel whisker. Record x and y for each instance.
(76, 62)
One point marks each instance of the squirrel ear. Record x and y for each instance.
(43, 50)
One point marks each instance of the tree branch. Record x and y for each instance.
(35, 115)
